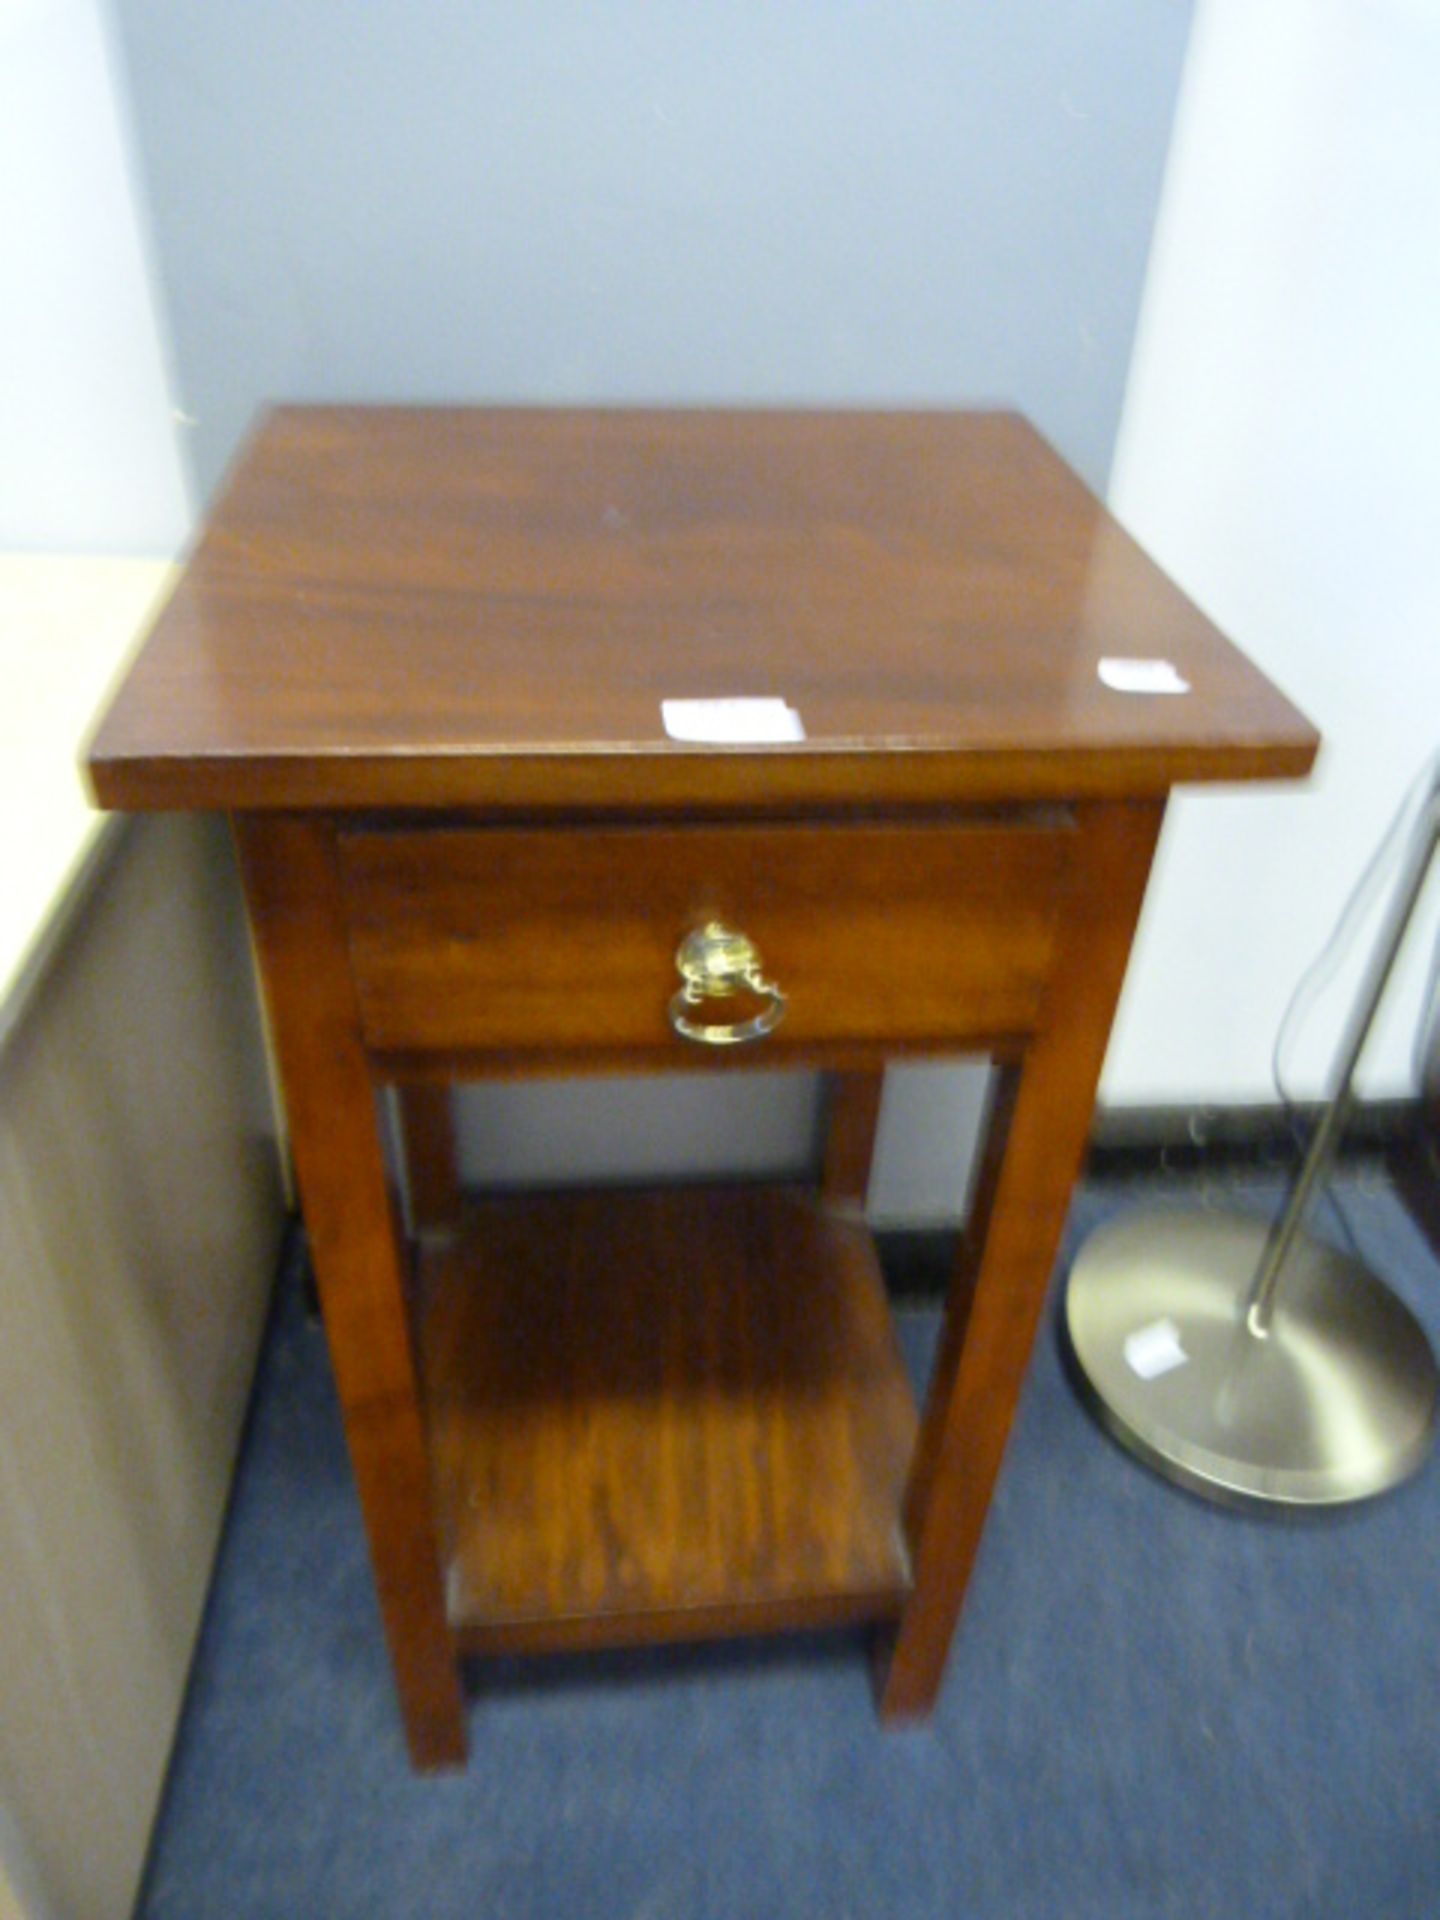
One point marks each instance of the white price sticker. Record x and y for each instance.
(738, 722)
(1141, 676)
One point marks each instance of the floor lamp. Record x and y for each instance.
(1254, 1364)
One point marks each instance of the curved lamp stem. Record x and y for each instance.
(1260, 1301)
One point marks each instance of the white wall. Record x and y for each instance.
(742, 1126)
(88, 454)
(1278, 454)
(687, 202)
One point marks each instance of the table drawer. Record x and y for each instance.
(504, 939)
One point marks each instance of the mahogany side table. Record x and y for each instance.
(420, 656)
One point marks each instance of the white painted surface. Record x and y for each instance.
(929, 1125)
(89, 461)
(905, 203)
(709, 1126)
(67, 625)
(1278, 456)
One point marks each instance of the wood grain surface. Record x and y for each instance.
(852, 1121)
(293, 892)
(429, 1149)
(1001, 1282)
(663, 1414)
(498, 939)
(420, 655)
(486, 607)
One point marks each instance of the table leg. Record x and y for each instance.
(852, 1114)
(1025, 1188)
(293, 891)
(427, 1128)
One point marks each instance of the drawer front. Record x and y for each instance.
(497, 940)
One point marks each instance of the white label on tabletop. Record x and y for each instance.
(732, 722)
(1141, 676)
(1156, 1349)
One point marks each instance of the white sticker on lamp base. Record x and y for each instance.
(1154, 1350)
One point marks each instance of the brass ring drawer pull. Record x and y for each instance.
(716, 962)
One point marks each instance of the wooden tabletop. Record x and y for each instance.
(486, 607)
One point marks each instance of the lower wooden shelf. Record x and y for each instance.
(663, 1415)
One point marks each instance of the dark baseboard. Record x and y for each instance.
(1415, 1169)
(1133, 1143)
(917, 1261)
(1136, 1140)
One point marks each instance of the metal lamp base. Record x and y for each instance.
(1334, 1403)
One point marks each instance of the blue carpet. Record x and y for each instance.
(1154, 1708)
